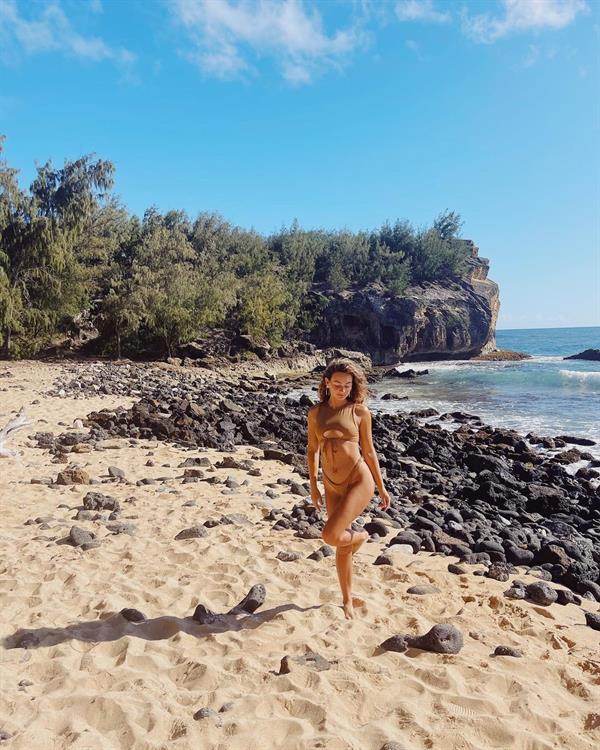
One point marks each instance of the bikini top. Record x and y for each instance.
(339, 424)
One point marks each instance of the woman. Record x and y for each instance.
(339, 426)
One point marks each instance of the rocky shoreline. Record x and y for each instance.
(492, 497)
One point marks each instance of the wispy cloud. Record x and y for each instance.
(420, 10)
(227, 36)
(532, 56)
(522, 15)
(415, 48)
(50, 31)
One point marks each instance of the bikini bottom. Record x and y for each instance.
(341, 488)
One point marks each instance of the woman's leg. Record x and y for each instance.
(337, 531)
(343, 554)
(357, 497)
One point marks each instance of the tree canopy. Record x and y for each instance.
(68, 248)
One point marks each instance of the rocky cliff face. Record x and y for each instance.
(455, 320)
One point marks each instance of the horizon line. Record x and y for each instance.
(547, 328)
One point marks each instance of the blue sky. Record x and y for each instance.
(339, 114)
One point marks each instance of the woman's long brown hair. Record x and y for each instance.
(359, 381)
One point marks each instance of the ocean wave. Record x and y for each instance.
(593, 375)
(478, 366)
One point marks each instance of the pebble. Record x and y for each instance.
(423, 589)
(99, 501)
(285, 556)
(78, 536)
(541, 593)
(564, 597)
(73, 476)
(593, 620)
(121, 527)
(206, 713)
(507, 651)
(133, 615)
(194, 532)
(311, 659)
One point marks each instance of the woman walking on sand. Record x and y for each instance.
(339, 432)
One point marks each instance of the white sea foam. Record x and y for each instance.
(592, 375)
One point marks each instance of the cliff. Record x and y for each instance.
(453, 320)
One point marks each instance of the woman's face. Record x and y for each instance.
(339, 384)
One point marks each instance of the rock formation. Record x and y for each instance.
(450, 320)
(592, 355)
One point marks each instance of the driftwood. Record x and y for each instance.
(14, 425)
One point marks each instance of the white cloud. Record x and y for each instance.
(532, 56)
(227, 35)
(51, 31)
(522, 15)
(415, 48)
(420, 10)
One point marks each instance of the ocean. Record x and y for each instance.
(546, 394)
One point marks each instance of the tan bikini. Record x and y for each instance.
(333, 426)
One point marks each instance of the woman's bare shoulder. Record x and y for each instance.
(361, 410)
(314, 409)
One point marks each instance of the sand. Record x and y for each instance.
(97, 681)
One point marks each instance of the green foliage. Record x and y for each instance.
(67, 245)
(262, 306)
(448, 225)
(435, 258)
(43, 284)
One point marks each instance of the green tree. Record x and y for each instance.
(448, 225)
(42, 285)
(179, 291)
(120, 313)
(262, 308)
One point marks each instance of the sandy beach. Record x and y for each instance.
(92, 680)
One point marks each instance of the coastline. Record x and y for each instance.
(543, 394)
(92, 680)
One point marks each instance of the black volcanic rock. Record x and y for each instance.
(593, 620)
(592, 355)
(541, 593)
(441, 639)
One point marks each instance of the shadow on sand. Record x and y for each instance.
(131, 622)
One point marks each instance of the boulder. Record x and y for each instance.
(592, 355)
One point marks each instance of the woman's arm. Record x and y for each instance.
(312, 459)
(368, 450)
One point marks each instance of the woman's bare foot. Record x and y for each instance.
(348, 607)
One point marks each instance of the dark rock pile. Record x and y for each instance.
(127, 379)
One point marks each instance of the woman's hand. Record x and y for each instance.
(385, 499)
(316, 497)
